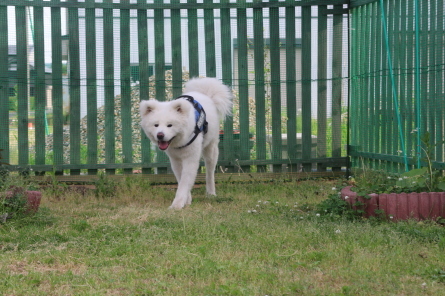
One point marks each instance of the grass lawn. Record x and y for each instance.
(253, 239)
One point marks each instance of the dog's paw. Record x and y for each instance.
(176, 206)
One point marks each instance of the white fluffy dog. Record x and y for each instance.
(187, 128)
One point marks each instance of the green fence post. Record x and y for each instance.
(126, 128)
(306, 86)
(90, 23)
(108, 32)
(57, 84)
(4, 86)
(291, 87)
(144, 82)
(260, 99)
(243, 88)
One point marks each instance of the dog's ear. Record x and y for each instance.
(145, 107)
(180, 107)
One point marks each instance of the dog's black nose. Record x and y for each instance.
(160, 136)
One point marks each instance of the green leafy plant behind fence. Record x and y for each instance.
(88, 64)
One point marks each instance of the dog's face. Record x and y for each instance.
(166, 123)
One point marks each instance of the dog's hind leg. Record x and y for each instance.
(210, 155)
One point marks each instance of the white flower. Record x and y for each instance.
(259, 201)
(400, 179)
(253, 211)
(388, 177)
(346, 197)
(318, 215)
(257, 206)
(333, 188)
(338, 231)
(391, 217)
(276, 202)
(414, 182)
(249, 211)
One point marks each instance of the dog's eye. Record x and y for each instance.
(169, 125)
(156, 125)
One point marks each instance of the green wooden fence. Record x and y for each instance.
(76, 70)
(397, 83)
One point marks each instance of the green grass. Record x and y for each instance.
(253, 239)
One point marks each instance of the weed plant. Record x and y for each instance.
(258, 238)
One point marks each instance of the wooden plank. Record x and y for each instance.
(39, 86)
(243, 86)
(337, 64)
(176, 51)
(291, 84)
(432, 100)
(108, 39)
(322, 114)
(126, 128)
(200, 179)
(410, 94)
(74, 86)
(209, 32)
(360, 93)
(424, 74)
(327, 162)
(192, 18)
(393, 158)
(4, 86)
(391, 146)
(401, 39)
(373, 99)
(260, 99)
(440, 78)
(354, 98)
(22, 85)
(275, 85)
(57, 85)
(357, 3)
(186, 5)
(160, 69)
(227, 72)
(143, 80)
(385, 92)
(91, 73)
(306, 84)
(380, 85)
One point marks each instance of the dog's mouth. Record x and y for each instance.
(163, 145)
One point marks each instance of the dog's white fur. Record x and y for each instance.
(174, 123)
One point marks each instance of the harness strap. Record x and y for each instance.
(200, 117)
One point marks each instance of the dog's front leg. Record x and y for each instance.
(186, 180)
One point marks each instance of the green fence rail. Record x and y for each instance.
(397, 84)
(77, 70)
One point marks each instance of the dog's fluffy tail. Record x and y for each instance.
(216, 90)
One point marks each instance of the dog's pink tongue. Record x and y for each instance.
(162, 145)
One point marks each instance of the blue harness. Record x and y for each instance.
(200, 118)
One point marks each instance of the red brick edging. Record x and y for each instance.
(33, 197)
(399, 206)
